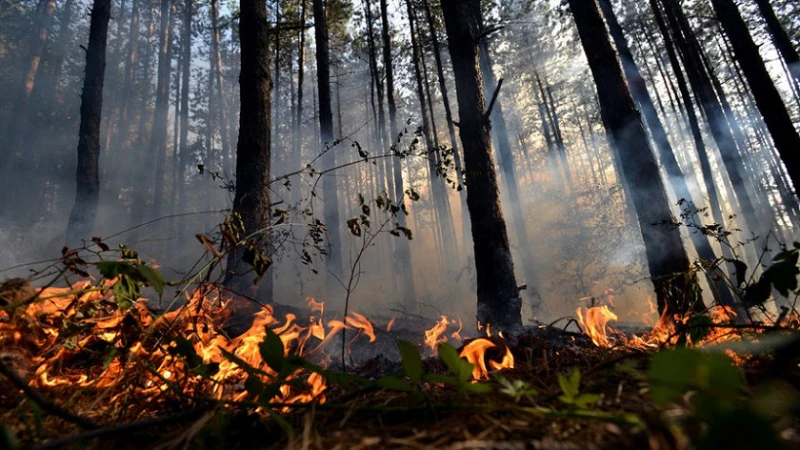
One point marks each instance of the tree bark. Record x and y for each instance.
(498, 298)
(252, 199)
(87, 193)
(331, 198)
(676, 288)
(183, 157)
(780, 38)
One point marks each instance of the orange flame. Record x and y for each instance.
(475, 352)
(597, 317)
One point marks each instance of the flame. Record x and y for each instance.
(476, 353)
(435, 335)
(595, 324)
(390, 325)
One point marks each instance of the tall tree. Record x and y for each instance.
(667, 260)
(780, 38)
(251, 203)
(403, 249)
(438, 191)
(703, 87)
(183, 155)
(87, 192)
(156, 153)
(499, 302)
(331, 199)
(43, 17)
(767, 97)
(667, 155)
(505, 155)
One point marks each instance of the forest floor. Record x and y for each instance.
(86, 372)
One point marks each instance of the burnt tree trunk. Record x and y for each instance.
(498, 298)
(676, 289)
(767, 97)
(331, 198)
(87, 192)
(252, 200)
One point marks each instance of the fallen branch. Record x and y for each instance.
(488, 112)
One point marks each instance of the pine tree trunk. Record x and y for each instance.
(87, 193)
(331, 197)
(498, 298)
(13, 149)
(767, 97)
(438, 190)
(676, 289)
(252, 199)
(780, 38)
(221, 104)
(667, 155)
(403, 249)
(704, 90)
(183, 157)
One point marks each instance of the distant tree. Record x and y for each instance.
(676, 291)
(499, 302)
(768, 99)
(87, 192)
(780, 38)
(331, 197)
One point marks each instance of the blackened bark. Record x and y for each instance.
(767, 97)
(667, 260)
(667, 155)
(331, 200)
(252, 201)
(403, 249)
(498, 298)
(87, 192)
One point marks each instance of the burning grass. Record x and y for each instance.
(85, 363)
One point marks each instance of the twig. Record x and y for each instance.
(126, 428)
(45, 403)
(488, 112)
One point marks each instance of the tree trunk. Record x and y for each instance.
(667, 260)
(19, 115)
(704, 90)
(128, 78)
(252, 199)
(667, 155)
(767, 97)
(87, 193)
(221, 103)
(780, 38)
(183, 157)
(498, 298)
(403, 248)
(438, 191)
(331, 198)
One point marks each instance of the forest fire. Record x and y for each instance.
(82, 336)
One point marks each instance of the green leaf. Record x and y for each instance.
(110, 269)
(153, 277)
(478, 388)
(412, 362)
(584, 400)
(394, 384)
(272, 351)
(459, 367)
(253, 385)
(671, 372)
(699, 327)
(722, 377)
